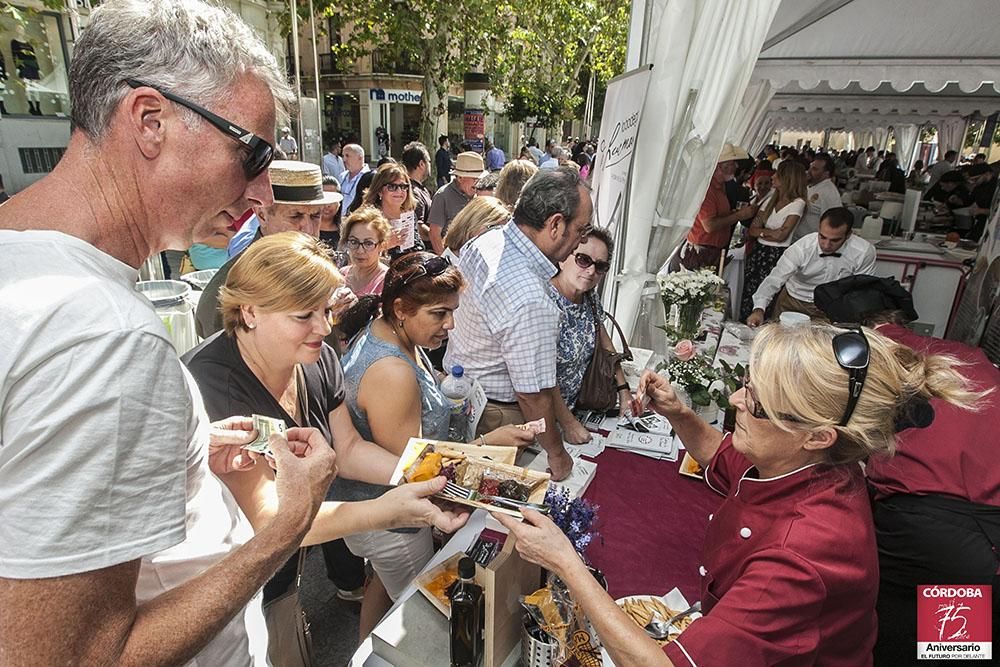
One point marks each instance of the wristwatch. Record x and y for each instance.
(622, 387)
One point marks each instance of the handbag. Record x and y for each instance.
(597, 392)
(289, 642)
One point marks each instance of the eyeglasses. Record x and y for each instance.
(753, 405)
(397, 187)
(430, 268)
(853, 354)
(585, 261)
(367, 244)
(261, 152)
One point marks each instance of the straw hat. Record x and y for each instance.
(301, 183)
(731, 152)
(469, 164)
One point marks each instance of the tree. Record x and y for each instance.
(533, 51)
(553, 46)
(444, 39)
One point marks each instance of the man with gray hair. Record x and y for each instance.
(118, 545)
(354, 160)
(507, 327)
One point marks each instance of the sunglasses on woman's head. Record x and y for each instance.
(585, 261)
(397, 187)
(853, 354)
(430, 268)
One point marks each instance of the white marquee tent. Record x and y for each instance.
(738, 70)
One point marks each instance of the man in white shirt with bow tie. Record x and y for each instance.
(830, 254)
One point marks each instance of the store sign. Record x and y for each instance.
(394, 96)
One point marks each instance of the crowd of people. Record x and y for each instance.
(138, 529)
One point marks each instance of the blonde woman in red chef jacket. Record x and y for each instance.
(790, 570)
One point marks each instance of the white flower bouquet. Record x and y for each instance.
(689, 287)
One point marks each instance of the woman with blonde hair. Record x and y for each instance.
(513, 176)
(365, 234)
(479, 215)
(790, 571)
(391, 194)
(270, 360)
(773, 226)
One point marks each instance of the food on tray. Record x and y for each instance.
(428, 468)
(640, 608)
(437, 582)
(691, 468)
(480, 476)
(440, 586)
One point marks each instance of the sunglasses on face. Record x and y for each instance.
(853, 354)
(397, 187)
(261, 153)
(585, 261)
(430, 268)
(367, 244)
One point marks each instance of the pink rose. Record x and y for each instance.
(684, 350)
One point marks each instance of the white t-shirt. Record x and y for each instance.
(103, 436)
(215, 527)
(820, 197)
(94, 412)
(777, 219)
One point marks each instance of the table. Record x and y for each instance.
(652, 524)
(653, 520)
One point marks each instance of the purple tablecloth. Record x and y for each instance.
(652, 525)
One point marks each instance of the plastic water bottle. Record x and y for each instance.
(458, 389)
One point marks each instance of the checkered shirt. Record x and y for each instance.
(507, 324)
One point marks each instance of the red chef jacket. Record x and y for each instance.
(957, 454)
(790, 573)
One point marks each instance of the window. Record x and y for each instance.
(33, 77)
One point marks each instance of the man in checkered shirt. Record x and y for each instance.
(507, 325)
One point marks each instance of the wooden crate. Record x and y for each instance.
(506, 578)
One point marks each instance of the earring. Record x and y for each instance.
(252, 325)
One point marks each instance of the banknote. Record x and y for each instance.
(264, 426)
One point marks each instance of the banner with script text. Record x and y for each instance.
(616, 146)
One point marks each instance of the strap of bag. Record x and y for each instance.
(299, 568)
(626, 352)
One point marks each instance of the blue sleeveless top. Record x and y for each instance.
(435, 408)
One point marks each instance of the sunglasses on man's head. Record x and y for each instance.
(585, 261)
(261, 152)
(430, 268)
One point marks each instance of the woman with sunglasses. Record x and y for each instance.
(790, 572)
(390, 193)
(573, 290)
(271, 360)
(364, 235)
(419, 297)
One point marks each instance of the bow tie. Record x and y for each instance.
(829, 254)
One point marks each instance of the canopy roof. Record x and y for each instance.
(874, 42)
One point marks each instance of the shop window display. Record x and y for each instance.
(33, 78)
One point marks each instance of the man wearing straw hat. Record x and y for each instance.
(299, 199)
(709, 235)
(452, 198)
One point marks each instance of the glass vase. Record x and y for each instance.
(683, 320)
